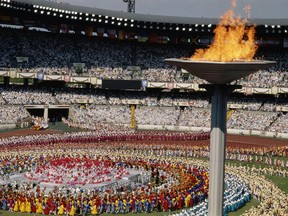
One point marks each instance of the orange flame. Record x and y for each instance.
(233, 40)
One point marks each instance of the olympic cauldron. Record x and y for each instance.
(219, 75)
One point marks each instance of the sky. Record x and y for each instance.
(270, 9)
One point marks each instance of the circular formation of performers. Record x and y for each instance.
(50, 174)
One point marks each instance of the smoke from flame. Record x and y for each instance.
(233, 40)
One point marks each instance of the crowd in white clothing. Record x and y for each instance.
(177, 109)
(251, 120)
(22, 96)
(156, 115)
(12, 114)
(195, 117)
(280, 125)
(90, 117)
(54, 54)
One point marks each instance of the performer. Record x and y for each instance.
(39, 208)
(28, 205)
(94, 210)
(22, 204)
(72, 209)
(61, 209)
(46, 208)
(16, 205)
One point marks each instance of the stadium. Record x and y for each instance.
(94, 121)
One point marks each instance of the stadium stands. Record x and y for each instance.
(103, 58)
(105, 107)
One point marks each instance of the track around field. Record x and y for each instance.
(232, 140)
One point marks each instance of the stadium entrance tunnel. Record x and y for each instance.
(53, 113)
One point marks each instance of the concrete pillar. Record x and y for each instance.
(217, 150)
(45, 114)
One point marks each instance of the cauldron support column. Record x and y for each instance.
(219, 94)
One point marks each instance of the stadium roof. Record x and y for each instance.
(144, 17)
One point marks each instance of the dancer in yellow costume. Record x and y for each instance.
(187, 200)
(117, 205)
(94, 210)
(16, 205)
(28, 206)
(125, 204)
(22, 205)
(39, 208)
(72, 210)
(61, 209)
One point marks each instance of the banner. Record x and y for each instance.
(5, 18)
(142, 38)
(53, 77)
(111, 33)
(13, 74)
(27, 75)
(4, 72)
(78, 65)
(133, 68)
(283, 90)
(20, 59)
(15, 20)
(100, 32)
(89, 31)
(121, 35)
(64, 28)
(80, 79)
(282, 108)
(153, 37)
(156, 84)
(53, 28)
(29, 23)
(81, 101)
(131, 36)
(162, 39)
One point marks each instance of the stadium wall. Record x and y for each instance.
(7, 126)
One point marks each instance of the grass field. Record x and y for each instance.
(281, 182)
(253, 202)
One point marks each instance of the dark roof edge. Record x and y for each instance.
(145, 17)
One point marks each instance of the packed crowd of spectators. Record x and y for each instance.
(91, 117)
(54, 54)
(12, 114)
(105, 107)
(22, 96)
(156, 115)
(252, 104)
(195, 117)
(280, 125)
(251, 120)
